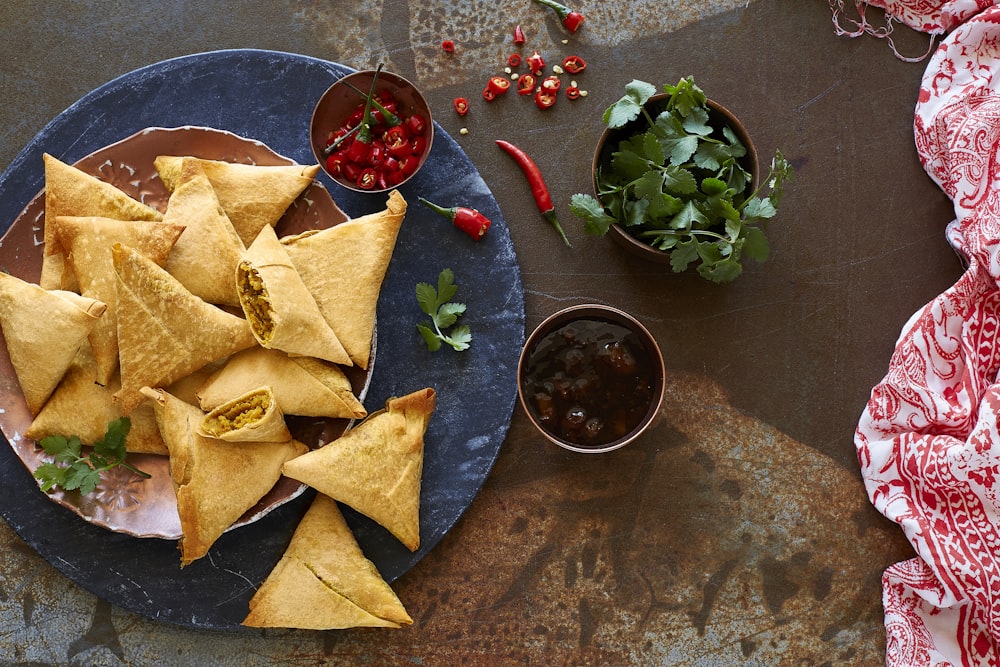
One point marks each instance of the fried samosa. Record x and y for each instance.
(376, 466)
(282, 313)
(44, 330)
(164, 331)
(251, 195)
(324, 581)
(216, 481)
(301, 385)
(253, 416)
(344, 267)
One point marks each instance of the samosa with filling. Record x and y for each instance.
(216, 481)
(282, 313)
(324, 581)
(344, 267)
(301, 385)
(376, 466)
(253, 416)
(44, 330)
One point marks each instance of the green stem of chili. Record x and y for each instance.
(365, 131)
(391, 119)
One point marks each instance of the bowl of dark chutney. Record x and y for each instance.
(591, 378)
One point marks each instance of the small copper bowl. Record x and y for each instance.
(339, 101)
(574, 361)
(608, 143)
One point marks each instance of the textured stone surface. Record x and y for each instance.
(736, 531)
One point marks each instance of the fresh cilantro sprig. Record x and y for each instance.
(443, 313)
(677, 183)
(72, 470)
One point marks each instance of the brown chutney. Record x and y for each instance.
(589, 382)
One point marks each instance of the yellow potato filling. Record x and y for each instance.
(255, 301)
(233, 416)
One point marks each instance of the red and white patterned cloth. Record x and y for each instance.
(928, 441)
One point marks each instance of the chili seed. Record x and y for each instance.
(557, 69)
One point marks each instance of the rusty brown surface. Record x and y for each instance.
(736, 531)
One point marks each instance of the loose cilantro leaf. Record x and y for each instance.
(72, 471)
(674, 180)
(436, 303)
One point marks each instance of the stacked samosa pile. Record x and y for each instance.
(206, 329)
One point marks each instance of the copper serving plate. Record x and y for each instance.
(123, 502)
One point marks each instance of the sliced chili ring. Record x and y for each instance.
(396, 141)
(416, 124)
(514, 60)
(488, 94)
(544, 99)
(572, 92)
(418, 145)
(461, 105)
(525, 84)
(574, 64)
(498, 85)
(551, 83)
(448, 46)
(335, 163)
(367, 179)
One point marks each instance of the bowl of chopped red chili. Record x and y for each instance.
(377, 150)
(591, 378)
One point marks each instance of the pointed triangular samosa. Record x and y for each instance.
(376, 466)
(344, 266)
(216, 482)
(283, 315)
(44, 330)
(251, 195)
(301, 385)
(204, 258)
(70, 191)
(87, 244)
(324, 581)
(164, 331)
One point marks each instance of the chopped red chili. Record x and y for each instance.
(518, 35)
(545, 99)
(461, 106)
(574, 64)
(488, 94)
(448, 46)
(525, 84)
(536, 63)
(418, 145)
(572, 92)
(397, 141)
(514, 60)
(416, 123)
(551, 83)
(367, 179)
(498, 85)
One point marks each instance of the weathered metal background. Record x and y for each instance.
(737, 530)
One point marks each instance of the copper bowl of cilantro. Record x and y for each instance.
(591, 378)
(677, 180)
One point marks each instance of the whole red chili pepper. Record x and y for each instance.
(571, 20)
(574, 64)
(518, 35)
(469, 220)
(539, 190)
